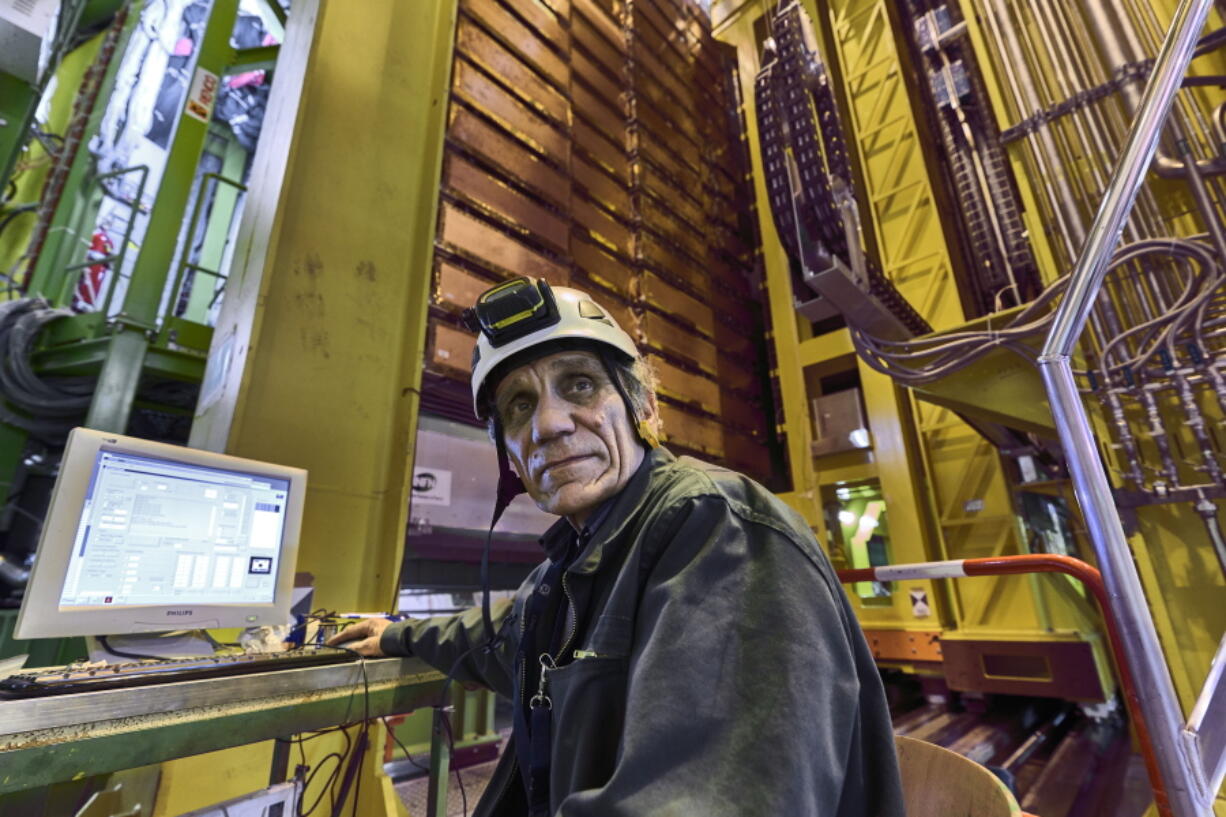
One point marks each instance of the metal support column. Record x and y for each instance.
(440, 763)
(1188, 790)
(121, 373)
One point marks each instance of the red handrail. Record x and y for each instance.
(1087, 574)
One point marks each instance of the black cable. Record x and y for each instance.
(403, 748)
(122, 654)
(451, 751)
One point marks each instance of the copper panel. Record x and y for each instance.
(456, 288)
(494, 196)
(520, 38)
(739, 412)
(734, 374)
(451, 350)
(684, 429)
(484, 50)
(602, 267)
(747, 454)
(591, 107)
(1053, 669)
(646, 63)
(472, 237)
(601, 187)
(733, 342)
(672, 339)
(602, 151)
(546, 23)
(676, 305)
(905, 645)
(663, 188)
(685, 387)
(682, 171)
(607, 86)
(603, 227)
(499, 148)
(602, 18)
(664, 223)
(560, 7)
(737, 311)
(649, 17)
(731, 276)
(667, 261)
(671, 120)
(470, 84)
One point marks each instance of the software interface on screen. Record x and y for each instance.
(155, 531)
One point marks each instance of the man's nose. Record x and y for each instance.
(552, 418)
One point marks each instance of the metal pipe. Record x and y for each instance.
(1183, 780)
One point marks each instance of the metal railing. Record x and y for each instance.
(1189, 757)
(1090, 578)
(184, 265)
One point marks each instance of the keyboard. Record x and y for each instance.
(86, 678)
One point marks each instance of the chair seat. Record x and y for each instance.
(939, 783)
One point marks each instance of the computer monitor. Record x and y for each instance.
(143, 536)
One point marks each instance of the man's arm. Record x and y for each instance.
(446, 643)
(744, 695)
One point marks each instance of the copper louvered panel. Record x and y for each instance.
(512, 156)
(520, 37)
(603, 227)
(666, 224)
(676, 305)
(601, 187)
(662, 187)
(479, 90)
(669, 263)
(455, 288)
(450, 349)
(690, 431)
(493, 195)
(607, 119)
(606, 86)
(608, 155)
(685, 387)
(672, 339)
(479, 47)
(474, 238)
(603, 268)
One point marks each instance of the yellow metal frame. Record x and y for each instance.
(939, 477)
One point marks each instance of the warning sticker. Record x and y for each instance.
(431, 486)
(919, 603)
(203, 95)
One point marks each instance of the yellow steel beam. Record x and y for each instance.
(317, 357)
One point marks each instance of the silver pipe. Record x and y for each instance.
(1182, 778)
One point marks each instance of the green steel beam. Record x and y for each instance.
(253, 59)
(117, 383)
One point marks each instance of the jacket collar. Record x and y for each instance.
(608, 520)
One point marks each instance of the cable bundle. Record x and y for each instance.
(49, 406)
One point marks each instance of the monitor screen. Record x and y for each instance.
(155, 531)
(144, 536)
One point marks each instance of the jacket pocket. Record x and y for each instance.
(608, 638)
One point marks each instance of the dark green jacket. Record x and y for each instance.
(720, 670)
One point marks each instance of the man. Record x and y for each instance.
(686, 648)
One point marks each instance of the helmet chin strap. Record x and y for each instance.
(646, 435)
(509, 487)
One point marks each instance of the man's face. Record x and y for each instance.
(567, 433)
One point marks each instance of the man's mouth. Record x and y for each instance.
(559, 463)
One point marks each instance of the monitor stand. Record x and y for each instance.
(177, 644)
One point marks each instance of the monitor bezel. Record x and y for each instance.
(41, 615)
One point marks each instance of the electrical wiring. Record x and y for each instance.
(918, 361)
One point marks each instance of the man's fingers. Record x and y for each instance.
(353, 631)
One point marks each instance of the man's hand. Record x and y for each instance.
(362, 637)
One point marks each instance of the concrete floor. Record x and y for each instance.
(474, 778)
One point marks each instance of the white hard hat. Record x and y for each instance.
(526, 312)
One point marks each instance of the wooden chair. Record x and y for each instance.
(939, 783)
